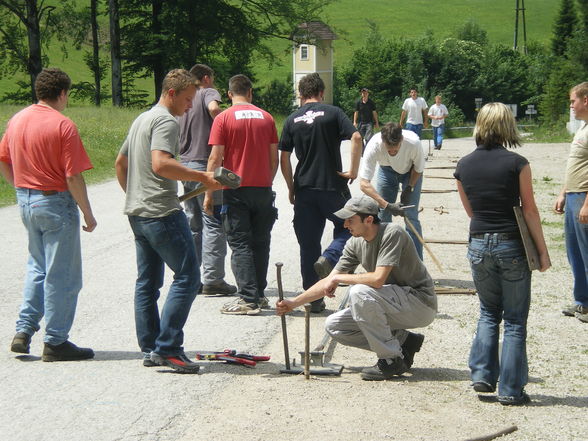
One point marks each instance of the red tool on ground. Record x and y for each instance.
(231, 356)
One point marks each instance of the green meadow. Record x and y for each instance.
(349, 19)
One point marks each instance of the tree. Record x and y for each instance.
(115, 58)
(13, 18)
(472, 31)
(161, 35)
(564, 27)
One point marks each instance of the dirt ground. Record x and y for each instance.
(434, 400)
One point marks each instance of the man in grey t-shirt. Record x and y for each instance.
(394, 294)
(148, 172)
(207, 230)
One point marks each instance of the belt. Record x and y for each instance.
(501, 236)
(49, 192)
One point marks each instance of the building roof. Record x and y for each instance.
(313, 30)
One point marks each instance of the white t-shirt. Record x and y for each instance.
(411, 152)
(414, 109)
(438, 110)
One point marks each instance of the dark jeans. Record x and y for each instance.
(312, 208)
(164, 241)
(366, 130)
(248, 217)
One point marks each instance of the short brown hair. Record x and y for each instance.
(50, 83)
(581, 90)
(311, 85)
(201, 70)
(391, 133)
(178, 80)
(239, 85)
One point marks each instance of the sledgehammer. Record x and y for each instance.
(222, 175)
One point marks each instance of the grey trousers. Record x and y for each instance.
(376, 319)
(207, 231)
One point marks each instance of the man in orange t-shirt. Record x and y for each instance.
(41, 154)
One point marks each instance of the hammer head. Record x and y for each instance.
(227, 177)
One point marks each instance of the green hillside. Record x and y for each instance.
(398, 18)
(349, 19)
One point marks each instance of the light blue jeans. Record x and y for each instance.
(389, 182)
(209, 237)
(438, 135)
(577, 246)
(54, 269)
(503, 281)
(163, 241)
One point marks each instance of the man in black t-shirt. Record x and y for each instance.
(365, 116)
(318, 188)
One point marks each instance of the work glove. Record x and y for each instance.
(394, 210)
(405, 196)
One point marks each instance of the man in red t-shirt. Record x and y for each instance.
(42, 155)
(245, 140)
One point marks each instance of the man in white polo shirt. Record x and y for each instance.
(402, 162)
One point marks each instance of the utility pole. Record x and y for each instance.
(520, 6)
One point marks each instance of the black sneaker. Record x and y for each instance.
(179, 363)
(21, 343)
(482, 387)
(317, 306)
(219, 289)
(411, 346)
(383, 370)
(514, 401)
(66, 351)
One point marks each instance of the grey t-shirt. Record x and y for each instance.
(195, 127)
(148, 194)
(393, 247)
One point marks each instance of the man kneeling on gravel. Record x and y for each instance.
(396, 293)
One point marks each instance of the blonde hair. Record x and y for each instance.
(496, 124)
(178, 80)
(581, 90)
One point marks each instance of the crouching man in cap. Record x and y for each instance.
(395, 294)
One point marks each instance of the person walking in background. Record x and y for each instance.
(573, 198)
(401, 162)
(438, 112)
(42, 155)
(318, 188)
(365, 116)
(491, 181)
(244, 139)
(414, 112)
(207, 230)
(148, 172)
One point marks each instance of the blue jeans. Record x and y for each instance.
(312, 208)
(389, 182)
(503, 281)
(163, 241)
(209, 237)
(416, 128)
(54, 269)
(438, 135)
(248, 217)
(577, 246)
